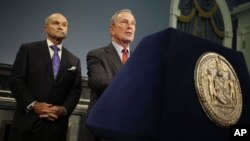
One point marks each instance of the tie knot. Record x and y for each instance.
(55, 48)
(124, 55)
(125, 51)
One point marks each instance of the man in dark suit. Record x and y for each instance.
(104, 63)
(46, 83)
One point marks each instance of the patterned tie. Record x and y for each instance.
(55, 60)
(124, 55)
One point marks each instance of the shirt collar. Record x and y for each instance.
(118, 47)
(49, 43)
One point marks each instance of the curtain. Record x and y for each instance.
(201, 18)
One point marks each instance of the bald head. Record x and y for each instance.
(56, 27)
(52, 16)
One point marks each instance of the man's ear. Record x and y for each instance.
(111, 29)
(45, 28)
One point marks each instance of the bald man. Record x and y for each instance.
(46, 83)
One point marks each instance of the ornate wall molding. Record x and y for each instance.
(227, 34)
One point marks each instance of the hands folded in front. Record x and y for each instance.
(48, 111)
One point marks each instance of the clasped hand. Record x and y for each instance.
(48, 111)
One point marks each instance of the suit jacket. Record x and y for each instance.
(102, 64)
(32, 80)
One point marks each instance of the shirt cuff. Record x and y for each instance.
(30, 107)
(64, 111)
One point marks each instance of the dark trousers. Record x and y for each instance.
(45, 135)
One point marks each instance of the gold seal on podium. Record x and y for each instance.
(218, 89)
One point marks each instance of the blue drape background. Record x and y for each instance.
(201, 18)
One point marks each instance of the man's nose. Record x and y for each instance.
(60, 26)
(130, 25)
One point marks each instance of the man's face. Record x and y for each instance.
(56, 27)
(123, 29)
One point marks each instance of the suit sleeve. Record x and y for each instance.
(73, 98)
(18, 82)
(98, 78)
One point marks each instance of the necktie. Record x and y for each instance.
(55, 60)
(124, 55)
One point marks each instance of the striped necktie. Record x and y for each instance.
(124, 55)
(55, 60)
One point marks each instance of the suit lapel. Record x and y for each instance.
(46, 58)
(113, 56)
(63, 63)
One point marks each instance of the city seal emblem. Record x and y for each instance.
(218, 89)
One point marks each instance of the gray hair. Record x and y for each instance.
(113, 18)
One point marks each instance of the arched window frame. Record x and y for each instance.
(227, 41)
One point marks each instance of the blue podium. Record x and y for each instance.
(153, 97)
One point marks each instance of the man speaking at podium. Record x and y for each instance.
(104, 63)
